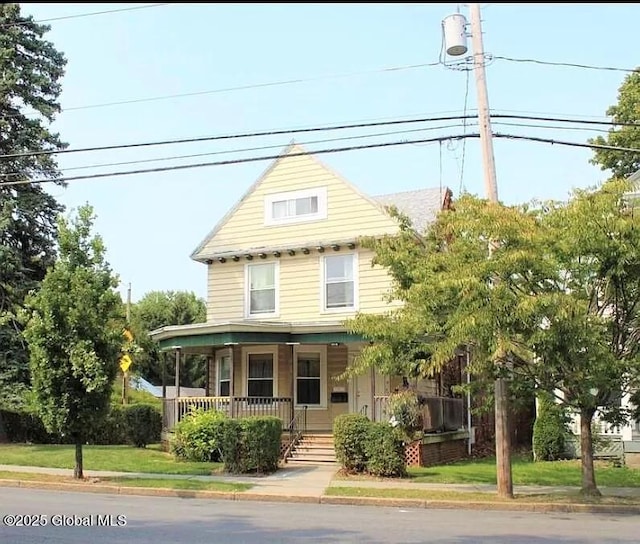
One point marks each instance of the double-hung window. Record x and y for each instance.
(262, 289)
(340, 289)
(224, 376)
(308, 378)
(260, 375)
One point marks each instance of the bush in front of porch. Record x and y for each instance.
(365, 446)
(244, 445)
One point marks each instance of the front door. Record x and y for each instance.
(362, 394)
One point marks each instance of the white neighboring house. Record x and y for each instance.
(624, 439)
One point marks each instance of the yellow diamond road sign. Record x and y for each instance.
(125, 363)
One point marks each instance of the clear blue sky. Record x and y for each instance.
(152, 222)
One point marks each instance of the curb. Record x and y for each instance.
(329, 499)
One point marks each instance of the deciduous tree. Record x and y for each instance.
(74, 330)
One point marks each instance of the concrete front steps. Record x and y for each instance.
(313, 449)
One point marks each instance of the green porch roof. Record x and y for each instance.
(219, 334)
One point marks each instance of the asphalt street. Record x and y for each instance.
(36, 516)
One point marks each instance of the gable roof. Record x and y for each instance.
(421, 206)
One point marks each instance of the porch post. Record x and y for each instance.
(232, 385)
(177, 386)
(207, 378)
(163, 369)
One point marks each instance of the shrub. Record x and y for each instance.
(143, 424)
(230, 442)
(260, 443)
(112, 430)
(197, 436)
(385, 451)
(350, 436)
(550, 431)
(405, 411)
(27, 427)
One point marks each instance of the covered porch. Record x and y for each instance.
(283, 370)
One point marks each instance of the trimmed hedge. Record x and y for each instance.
(260, 443)
(364, 446)
(385, 451)
(143, 424)
(349, 439)
(244, 445)
(122, 425)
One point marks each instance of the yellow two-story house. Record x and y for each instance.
(285, 269)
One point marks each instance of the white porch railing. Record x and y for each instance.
(175, 410)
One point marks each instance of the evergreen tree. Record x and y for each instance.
(30, 73)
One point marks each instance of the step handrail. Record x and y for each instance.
(297, 428)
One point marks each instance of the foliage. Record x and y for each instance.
(384, 449)
(197, 436)
(625, 111)
(25, 427)
(134, 396)
(349, 438)
(158, 309)
(546, 294)
(406, 412)
(143, 424)
(31, 70)
(260, 443)
(231, 450)
(250, 444)
(74, 330)
(550, 430)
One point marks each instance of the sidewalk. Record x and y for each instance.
(308, 483)
(291, 481)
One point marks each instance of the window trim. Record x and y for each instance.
(219, 355)
(247, 290)
(320, 192)
(309, 348)
(259, 350)
(323, 290)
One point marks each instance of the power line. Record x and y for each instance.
(310, 130)
(242, 150)
(566, 143)
(568, 64)
(317, 152)
(236, 161)
(553, 127)
(78, 15)
(233, 136)
(464, 129)
(294, 81)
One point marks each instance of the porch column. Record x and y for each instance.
(232, 385)
(177, 386)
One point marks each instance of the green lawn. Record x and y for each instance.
(438, 495)
(165, 483)
(525, 472)
(116, 458)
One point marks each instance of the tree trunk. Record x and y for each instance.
(503, 439)
(77, 471)
(586, 455)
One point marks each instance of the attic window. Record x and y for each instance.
(296, 206)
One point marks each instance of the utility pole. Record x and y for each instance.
(455, 37)
(484, 118)
(125, 373)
